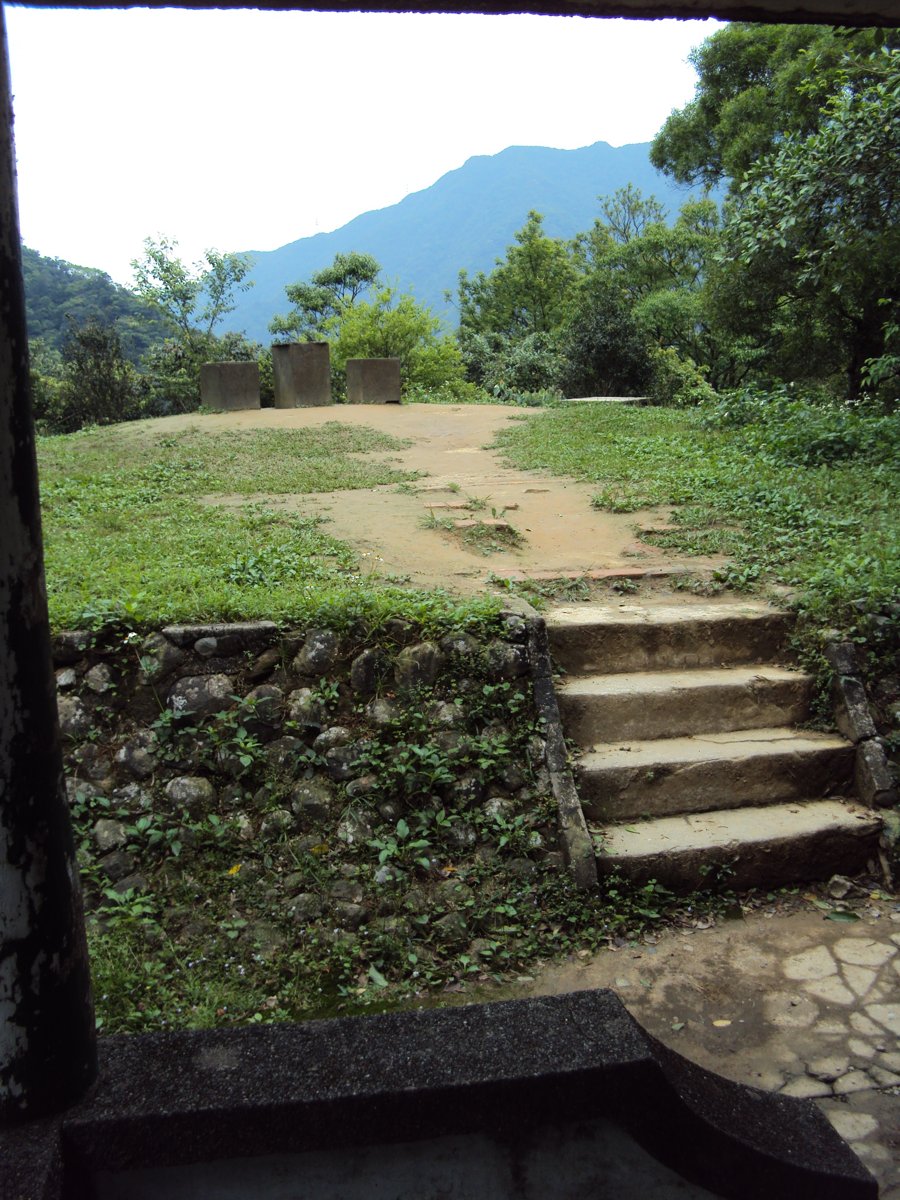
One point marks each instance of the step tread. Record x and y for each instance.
(737, 827)
(580, 615)
(708, 747)
(631, 683)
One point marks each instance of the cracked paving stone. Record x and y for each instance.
(829, 1068)
(852, 1126)
(859, 979)
(807, 1089)
(863, 953)
(870, 1152)
(860, 1048)
(862, 1024)
(830, 1026)
(789, 1012)
(883, 1077)
(769, 1081)
(811, 964)
(853, 1081)
(832, 991)
(887, 1015)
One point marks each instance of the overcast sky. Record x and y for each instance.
(246, 130)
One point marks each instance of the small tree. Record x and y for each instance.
(193, 300)
(388, 324)
(329, 294)
(90, 383)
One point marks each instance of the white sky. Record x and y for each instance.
(246, 130)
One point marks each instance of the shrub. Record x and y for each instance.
(678, 381)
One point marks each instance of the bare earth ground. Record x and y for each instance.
(782, 1001)
(561, 531)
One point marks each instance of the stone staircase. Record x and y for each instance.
(691, 770)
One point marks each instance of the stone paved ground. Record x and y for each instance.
(797, 1003)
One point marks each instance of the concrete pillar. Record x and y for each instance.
(47, 1038)
(302, 374)
(229, 386)
(373, 380)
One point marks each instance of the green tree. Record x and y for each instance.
(526, 293)
(758, 84)
(645, 286)
(193, 299)
(604, 351)
(90, 383)
(329, 293)
(813, 239)
(385, 324)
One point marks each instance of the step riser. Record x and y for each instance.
(610, 648)
(661, 789)
(770, 864)
(683, 711)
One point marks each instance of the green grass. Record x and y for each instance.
(129, 527)
(793, 494)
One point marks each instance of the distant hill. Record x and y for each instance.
(464, 220)
(56, 289)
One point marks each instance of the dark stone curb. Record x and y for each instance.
(576, 838)
(504, 1071)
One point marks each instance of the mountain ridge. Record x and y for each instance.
(464, 220)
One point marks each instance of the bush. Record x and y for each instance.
(91, 384)
(604, 353)
(514, 372)
(678, 381)
(794, 427)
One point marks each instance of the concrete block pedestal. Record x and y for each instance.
(302, 375)
(229, 386)
(373, 380)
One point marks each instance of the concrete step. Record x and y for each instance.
(743, 848)
(608, 708)
(734, 769)
(664, 637)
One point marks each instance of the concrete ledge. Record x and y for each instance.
(574, 834)
(509, 1072)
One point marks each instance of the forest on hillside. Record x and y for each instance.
(791, 285)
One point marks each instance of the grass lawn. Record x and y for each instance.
(128, 535)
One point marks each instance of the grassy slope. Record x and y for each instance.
(128, 534)
(768, 497)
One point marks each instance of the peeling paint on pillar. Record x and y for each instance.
(47, 1038)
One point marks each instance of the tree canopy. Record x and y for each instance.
(758, 84)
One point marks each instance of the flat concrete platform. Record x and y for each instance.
(604, 400)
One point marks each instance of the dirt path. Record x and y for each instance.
(560, 531)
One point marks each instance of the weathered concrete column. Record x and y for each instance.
(229, 386)
(373, 380)
(47, 1037)
(302, 374)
